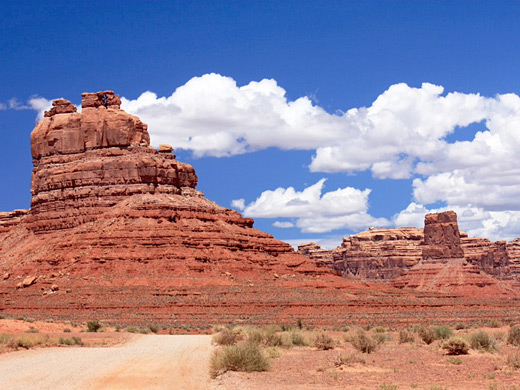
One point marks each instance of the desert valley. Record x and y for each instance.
(118, 235)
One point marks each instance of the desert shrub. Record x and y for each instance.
(298, 339)
(442, 332)
(456, 346)
(348, 359)
(244, 357)
(153, 328)
(482, 341)
(513, 360)
(362, 342)
(460, 326)
(378, 329)
(70, 341)
(273, 340)
(324, 342)
(228, 337)
(388, 386)
(494, 323)
(93, 326)
(454, 360)
(67, 330)
(381, 338)
(427, 335)
(513, 337)
(299, 323)
(405, 336)
(32, 330)
(4, 338)
(2, 317)
(272, 329)
(25, 342)
(255, 335)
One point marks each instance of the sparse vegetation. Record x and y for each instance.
(348, 359)
(483, 341)
(442, 332)
(427, 335)
(241, 357)
(454, 360)
(324, 342)
(513, 360)
(405, 336)
(94, 326)
(513, 337)
(456, 346)
(362, 342)
(71, 340)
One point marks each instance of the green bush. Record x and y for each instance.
(4, 338)
(93, 326)
(482, 341)
(244, 357)
(427, 335)
(405, 336)
(513, 337)
(362, 342)
(442, 332)
(456, 346)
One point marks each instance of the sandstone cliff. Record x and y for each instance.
(115, 223)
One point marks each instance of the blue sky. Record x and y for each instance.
(316, 118)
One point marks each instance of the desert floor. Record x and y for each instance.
(120, 360)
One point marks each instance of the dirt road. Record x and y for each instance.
(147, 362)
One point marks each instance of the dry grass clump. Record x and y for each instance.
(348, 359)
(381, 338)
(324, 342)
(513, 360)
(362, 342)
(228, 336)
(513, 337)
(406, 336)
(456, 346)
(483, 341)
(442, 332)
(244, 357)
(71, 341)
(427, 335)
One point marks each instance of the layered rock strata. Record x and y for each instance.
(116, 224)
(378, 254)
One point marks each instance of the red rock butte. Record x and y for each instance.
(117, 231)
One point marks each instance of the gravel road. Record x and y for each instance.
(147, 362)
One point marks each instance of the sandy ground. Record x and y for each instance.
(146, 362)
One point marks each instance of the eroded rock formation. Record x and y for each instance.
(386, 254)
(113, 220)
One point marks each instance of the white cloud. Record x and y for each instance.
(344, 208)
(36, 103)
(3, 106)
(283, 224)
(238, 204)
(477, 222)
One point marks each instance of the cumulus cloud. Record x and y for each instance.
(315, 212)
(283, 224)
(476, 221)
(36, 103)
